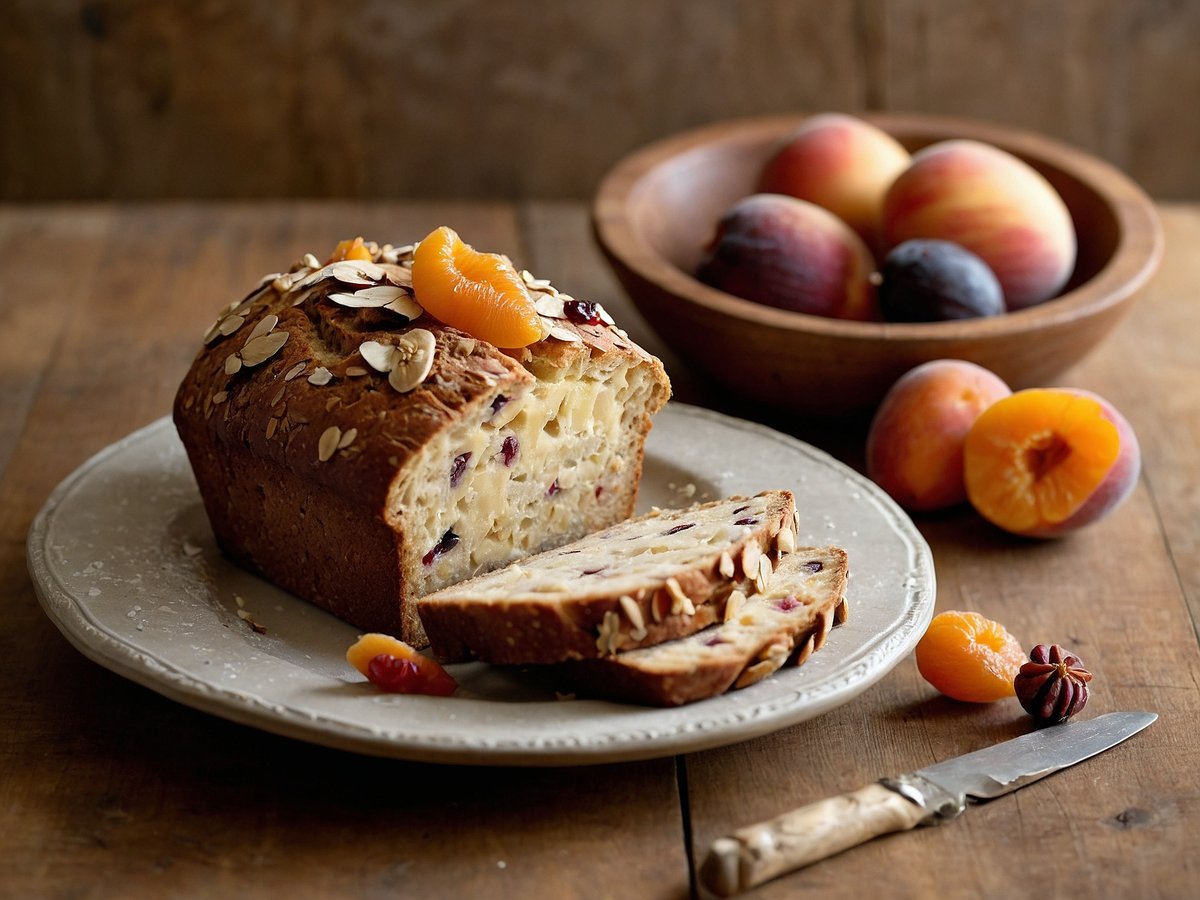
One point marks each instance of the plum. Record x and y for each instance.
(932, 280)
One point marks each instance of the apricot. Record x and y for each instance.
(996, 206)
(791, 254)
(1046, 461)
(967, 656)
(915, 442)
(397, 667)
(841, 163)
(480, 293)
(350, 249)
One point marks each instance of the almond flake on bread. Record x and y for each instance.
(360, 455)
(791, 620)
(638, 583)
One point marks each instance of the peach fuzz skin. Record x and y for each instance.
(1089, 434)
(993, 204)
(915, 442)
(842, 164)
(791, 254)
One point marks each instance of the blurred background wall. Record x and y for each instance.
(494, 99)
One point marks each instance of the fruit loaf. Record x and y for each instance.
(359, 453)
(638, 583)
(804, 598)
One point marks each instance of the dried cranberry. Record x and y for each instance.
(499, 403)
(814, 565)
(582, 312)
(740, 509)
(679, 528)
(509, 450)
(746, 521)
(395, 674)
(599, 491)
(458, 467)
(787, 604)
(553, 489)
(448, 542)
(714, 641)
(593, 571)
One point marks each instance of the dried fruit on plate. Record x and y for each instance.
(396, 667)
(480, 293)
(969, 657)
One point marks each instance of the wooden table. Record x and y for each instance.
(109, 790)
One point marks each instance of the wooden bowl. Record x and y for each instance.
(655, 211)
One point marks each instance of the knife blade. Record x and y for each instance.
(758, 853)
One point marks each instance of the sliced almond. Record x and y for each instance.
(328, 444)
(356, 371)
(680, 602)
(634, 613)
(565, 334)
(763, 578)
(320, 377)
(265, 325)
(263, 348)
(785, 540)
(356, 271)
(233, 364)
(347, 438)
(380, 357)
(369, 298)
(726, 567)
(751, 553)
(414, 353)
(406, 306)
(734, 605)
(295, 371)
(550, 306)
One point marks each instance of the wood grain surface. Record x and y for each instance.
(109, 790)
(470, 98)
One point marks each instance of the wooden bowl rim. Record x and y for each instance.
(1136, 256)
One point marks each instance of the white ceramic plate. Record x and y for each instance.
(127, 568)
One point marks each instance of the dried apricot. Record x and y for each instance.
(480, 293)
(395, 666)
(349, 249)
(969, 657)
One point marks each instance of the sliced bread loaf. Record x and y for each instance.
(359, 453)
(639, 583)
(804, 598)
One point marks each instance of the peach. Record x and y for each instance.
(791, 254)
(993, 204)
(841, 163)
(1047, 461)
(915, 442)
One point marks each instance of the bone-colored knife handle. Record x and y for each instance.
(753, 855)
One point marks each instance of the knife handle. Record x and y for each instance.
(758, 853)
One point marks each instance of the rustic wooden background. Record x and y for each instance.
(507, 100)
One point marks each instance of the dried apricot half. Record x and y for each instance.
(396, 667)
(349, 249)
(480, 293)
(969, 657)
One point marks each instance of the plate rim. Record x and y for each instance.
(732, 725)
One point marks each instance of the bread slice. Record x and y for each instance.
(804, 598)
(359, 453)
(648, 580)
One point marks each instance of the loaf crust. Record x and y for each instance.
(311, 482)
(785, 623)
(635, 584)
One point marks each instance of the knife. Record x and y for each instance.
(758, 853)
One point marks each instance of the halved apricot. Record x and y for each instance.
(349, 249)
(969, 657)
(1045, 461)
(480, 293)
(395, 666)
